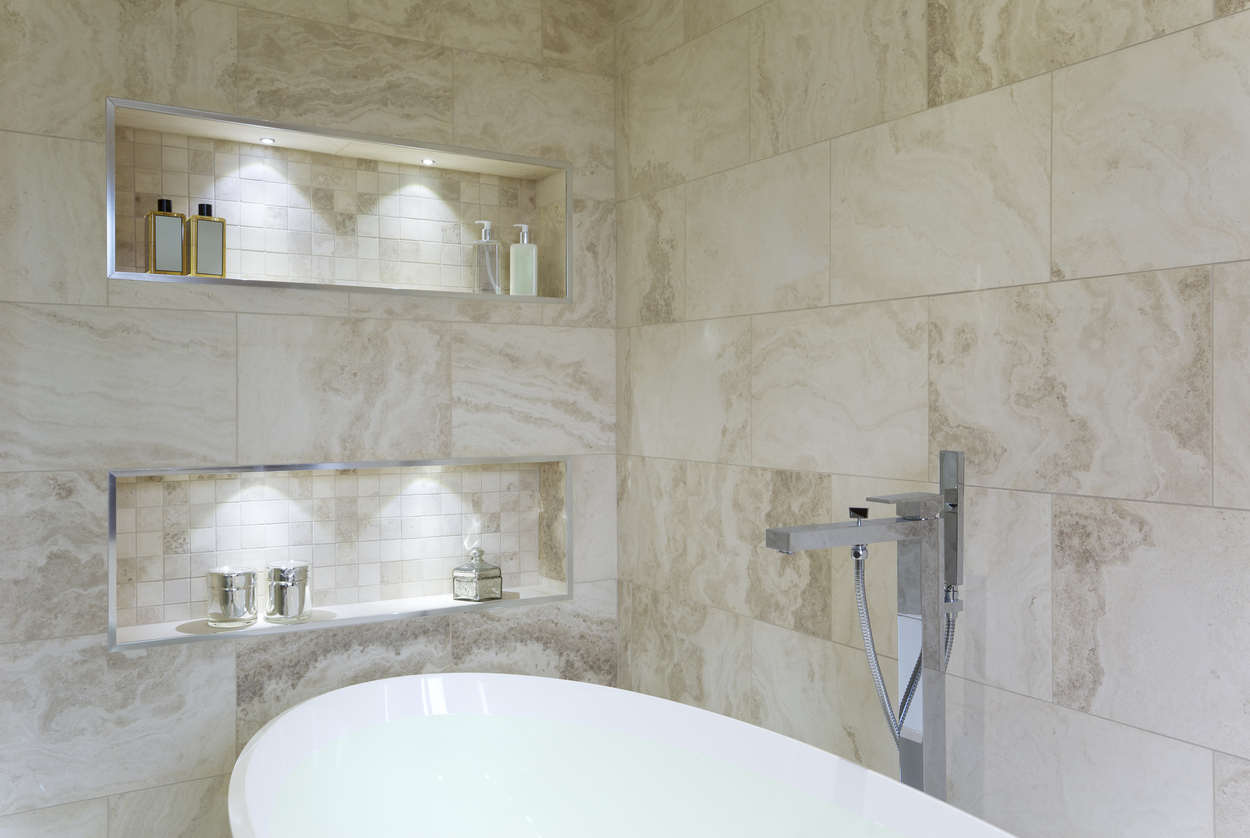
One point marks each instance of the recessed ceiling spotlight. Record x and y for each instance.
(268, 140)
(429, 161)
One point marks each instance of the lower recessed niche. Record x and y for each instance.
(382, 539)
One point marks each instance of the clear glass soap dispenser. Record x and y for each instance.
(486, 260)
(523, 264)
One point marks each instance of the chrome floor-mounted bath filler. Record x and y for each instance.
(929, 532)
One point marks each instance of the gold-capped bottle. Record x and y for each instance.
(206, 243)
(165, 251)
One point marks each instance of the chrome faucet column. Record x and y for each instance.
(929, 531)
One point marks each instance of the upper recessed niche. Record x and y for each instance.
(316, 208)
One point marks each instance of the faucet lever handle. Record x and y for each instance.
(859, 512)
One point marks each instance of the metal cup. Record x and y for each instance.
(231, 597)
(288, 592)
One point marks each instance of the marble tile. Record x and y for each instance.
(620, 154)
(547, 112)
(1228, 7)
(981, 221)
(976, 45)
(278, 672)
(53, 195)
(53, 554)
(578, 35)
(1098, 387)
(325, 11)
(88, 819)
(624, 615)
(651, 258)
(186, 296)
(624, 392)
(1133, 646)
(822, 693)
(726, 565)
(691, 391)
(880, 571)
(520, 390)
(757, 237)
(1040, 771)
(705, 15)
(58, 62)
(842, 390)
(511, 28)
(688, 111)
(575, 639)
(553, 518)
(1231, 382)
(551, 230)
(320, 389)
(82, 722)
(592, 285)
(73, 377)
(1232, 797)
(592, 498)
(412, 307)
(652, 520)
(822, 68)
(1146, 176)
(183, 810)
(1003, 636)
(300, 71)
(687, 652)
(646, 29)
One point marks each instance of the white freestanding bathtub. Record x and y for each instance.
(469, 755)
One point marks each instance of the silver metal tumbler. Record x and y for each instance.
(288, 592)
(231, 597)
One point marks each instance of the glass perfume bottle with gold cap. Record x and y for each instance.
(165, 253)
(206, 243)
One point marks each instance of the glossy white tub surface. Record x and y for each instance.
(286, 747)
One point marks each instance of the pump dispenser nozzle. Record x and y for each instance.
(485, 231)
(525, 232)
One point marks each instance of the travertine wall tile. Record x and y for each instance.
(278, 672)
(511, 28)
(725, 562)
(115, 388)
(1040, 771)
(395, 307)
(317, 389)
(184, 810)
(1098, 387)
(1146, 172)
(578, 35)
(592, 285)
(1232, 796)
(1114, 565)
(89, 819)
(646, 29)
(757, 237)
(624, 393)
(592, 496)
(652, 520)
(821, 68)
(326, 11)
(691, 391)
(83, 722)
(651, 258)
(624, 611)
(822, 693)
(52, 220)
(620, 155)
(981, 220)
(1231, 396)
(573, 639)
(59, 61)
(975, 45)
(705, 15)
(188, 296)
(842, 390)
(688, 111)
(53, 554)
(526, 390)
(1228, 7)
(293, 70)
(523, 108)
(690, 653)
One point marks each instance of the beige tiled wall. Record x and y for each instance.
(851, 235)
(369, 534)
(98, 374)
(300, 216)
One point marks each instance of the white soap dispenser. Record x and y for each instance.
(486, 261)
(523, 264)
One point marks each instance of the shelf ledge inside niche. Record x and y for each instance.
(334, 616)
